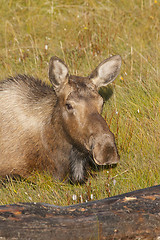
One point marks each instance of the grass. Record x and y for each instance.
(83, 33)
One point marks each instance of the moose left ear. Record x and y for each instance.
(106, 71)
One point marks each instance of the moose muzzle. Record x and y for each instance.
(104, 150)
(102, 142)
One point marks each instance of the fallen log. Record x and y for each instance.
(134, 215)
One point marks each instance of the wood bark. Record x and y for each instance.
(134, 215)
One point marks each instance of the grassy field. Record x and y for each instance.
(83, 33)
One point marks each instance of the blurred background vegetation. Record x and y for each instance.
(83, 33)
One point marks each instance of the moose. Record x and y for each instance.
(56, 127)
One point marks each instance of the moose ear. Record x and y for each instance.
(58, 72)
(106, 71)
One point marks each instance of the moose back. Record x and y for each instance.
(56, 128)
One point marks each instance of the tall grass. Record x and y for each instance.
(83, 33)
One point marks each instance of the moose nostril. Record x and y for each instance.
(91, 142)
(111, 155)
(92, 146)
(109, 150)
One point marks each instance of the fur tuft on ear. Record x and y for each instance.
(58, 72)
(106, 71)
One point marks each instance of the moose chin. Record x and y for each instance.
(56, 127)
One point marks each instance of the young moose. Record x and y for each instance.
(59, 128)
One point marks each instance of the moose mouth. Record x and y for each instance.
(104, 163)
(98, 162)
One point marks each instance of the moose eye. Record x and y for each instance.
(69, 106)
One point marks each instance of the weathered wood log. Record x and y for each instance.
(134, 215)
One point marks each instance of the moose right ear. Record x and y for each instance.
(58, 72)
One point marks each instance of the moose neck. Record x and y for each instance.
(57, 148)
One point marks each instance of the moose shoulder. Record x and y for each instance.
(58, 128)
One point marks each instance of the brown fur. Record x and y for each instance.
(57, 128)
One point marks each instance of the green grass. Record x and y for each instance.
(83, 33)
